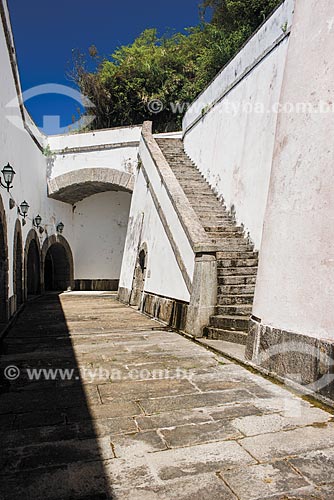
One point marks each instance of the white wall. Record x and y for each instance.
(18, 148)
(231, 145)
(163, 273)
(295, 285)
(114, 148)
(100, 224)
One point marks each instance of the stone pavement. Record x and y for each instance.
(144, 413)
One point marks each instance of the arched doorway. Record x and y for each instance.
(18, 265)
(3, 265)
(139, 277)
(57, 264)
(32, 265)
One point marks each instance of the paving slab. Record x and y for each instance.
(264, 480)
(289, 443)
(206, 486)
(317, 466)
(147, 414)
(263, 424)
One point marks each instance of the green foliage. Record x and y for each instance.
(231, 15)
(171, 69)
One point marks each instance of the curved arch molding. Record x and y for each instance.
(76, 185)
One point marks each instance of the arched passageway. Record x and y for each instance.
(3, 265)
(18, 264)
(57, 264)
(56, 269)
(32, 265)
(33, 273)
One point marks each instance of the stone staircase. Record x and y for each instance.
(237, 261)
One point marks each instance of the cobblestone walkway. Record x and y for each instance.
(199, 427)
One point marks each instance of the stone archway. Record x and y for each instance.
(18, 265)
(32, 265)
(3, 265)
(139, 277)
(57, 264)
(77, 185)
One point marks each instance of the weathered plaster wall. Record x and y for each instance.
(232, 142)
(100, 224)
(19, 149)
(295, 287)
(114, 148)
(163, 274)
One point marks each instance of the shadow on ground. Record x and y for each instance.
(49, 445)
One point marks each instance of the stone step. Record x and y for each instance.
(198, 187)
(234, 244)
(235, 310)
(235, 299)
(221, 218)
(212, 212)
(237, 262)
(203, 198)
(206, 202)
(237, 280)
(180, 169)
(227, 235)
(206, 222)
(190, 172)
(233, 322)
(194, 186)
(228, 335)
(223, 229)
(231, 255)
(237, 271)
(236, 289)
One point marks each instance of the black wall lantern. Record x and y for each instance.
(37, 221)
(8, 176)
(23, 210)
(60, 227)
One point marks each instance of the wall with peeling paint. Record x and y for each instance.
(114, 148)
(295, 285)
(100, 224)
(229, 130)
(163, 275)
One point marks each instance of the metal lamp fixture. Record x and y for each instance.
(60, 227)
(8, 176)
(23, 210)
(37, 220)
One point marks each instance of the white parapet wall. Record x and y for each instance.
(229, 130)
(164, 276)
(295, 290)
(292, 328)
(115, 148)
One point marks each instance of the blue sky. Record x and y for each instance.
(46, 31)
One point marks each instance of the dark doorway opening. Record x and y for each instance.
(18, 268)
(139, 278)
(3, 274)
(57, 269)
(33, 269)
